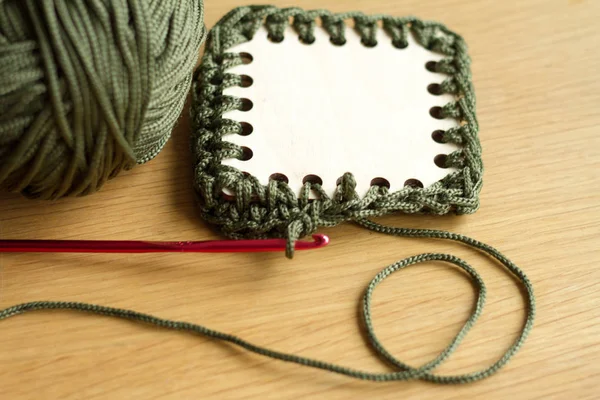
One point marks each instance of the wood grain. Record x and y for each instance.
(534, 66)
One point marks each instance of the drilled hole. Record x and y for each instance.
(382, 182)
(431, 66)
(435, 88)
(399, 44)
(441, 160)
(247, 129)
(313, 179)
(414, 183)
(337, 42)
(246, 58)
(437, 112)
(246, 154)
(307, 40)
(438, 136)
(275, 39)
(369, 43)
(246, 105)
(279, 177)
(246, 81)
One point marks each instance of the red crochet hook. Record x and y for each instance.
(129, 246)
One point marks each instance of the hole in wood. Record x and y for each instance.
(247, 154)
(437, 112)
(369, 43)
(312, 179)
(414, 183)
(275, 39)
(441, 160)
(247, 129)
(431, 66)
(246, 58)
(306, 40)
(246, 105)
(381, 182)
(438, 136)
(337, 42)
(279, 177)
(246, 81)
(435, 89)
(399, 44)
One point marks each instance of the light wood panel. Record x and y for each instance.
(534, 66)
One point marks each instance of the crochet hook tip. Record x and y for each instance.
(320, 240)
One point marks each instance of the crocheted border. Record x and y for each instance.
(274, 210)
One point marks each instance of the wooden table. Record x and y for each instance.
(534, 66)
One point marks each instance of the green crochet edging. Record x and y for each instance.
(274, 210)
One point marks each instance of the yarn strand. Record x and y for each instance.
(404, 372)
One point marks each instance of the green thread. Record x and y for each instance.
(404, 371)
(88, 89)
(274, 210)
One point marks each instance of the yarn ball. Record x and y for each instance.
(89, 88)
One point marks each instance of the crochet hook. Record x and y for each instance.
(130, 246)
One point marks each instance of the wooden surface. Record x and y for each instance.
(535, 65)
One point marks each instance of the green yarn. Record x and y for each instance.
(89, 88)
(404, 372)
(274, 210)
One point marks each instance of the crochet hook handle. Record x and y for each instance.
(128, 246)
